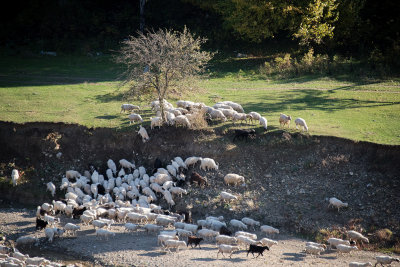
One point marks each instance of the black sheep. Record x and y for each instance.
(194, 240)
(40, 224)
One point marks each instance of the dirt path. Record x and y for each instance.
(140, 249)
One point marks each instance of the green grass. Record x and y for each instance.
(85, 91)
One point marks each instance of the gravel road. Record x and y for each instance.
(140, 249)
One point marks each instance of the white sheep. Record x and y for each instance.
(284, 120)
(246, 241)
(98, 224)
(174, 244)
(164, 221)
(316, 245)
(268, 242)
(168, 198)
(184, 233)
(129, 107)
(238, 224)
(53, 232)
(249, 235)
(136, 217)
(217, 114)
(131, 227)
(254, 116)
(269, 229)
(302, 123)
(147, 191)
(191, 227)
(51, 220)
(171, 169)
(227, 240)
(234, 105)
(71, 228)
(359, 264)
(385, 260)
(233, 179)
(26, 240)
(264, 122)
(19, 255)
(227, 249)
(104, 233)
(334, 202)
(227, 196)
(215, 225)
(240, 117)
(208, 163)
(152, 228)
(143, 133)
(71, 174)
(341, 248)
(37, 261)
(14, 176)
(156, 121)
(207, 233)
(162, 238)
(222, 106)
(353, 235)
(59, 206)
(111, 165)
(314, 250)
(126, 164)
(228, 113)
(337, 241)
(86, 219)
(250, 222)
(182, 120)
(134, 118)
(178, 191)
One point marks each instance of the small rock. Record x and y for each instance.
(268, 175)
(58, 155)
(351, 173)
(302, 191)
(369, 185)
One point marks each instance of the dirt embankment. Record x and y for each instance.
(289, 177)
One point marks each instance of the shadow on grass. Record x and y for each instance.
(107, 117)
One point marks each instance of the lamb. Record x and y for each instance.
(136, 217)
(174, 244)
(316, 245)
(71, 228)
(197, 178)
(227, 196)
(357, 236)
(182, 120)
(334, 202)
(359, 264)
(191, 161)
(257, 249)
(52, 232)
(345, 248)
(224, 239)
(206, 233)
(302, 123)
(250, 222)
(86, 219)
(26, 240)
(194, 240)
(264, 122)
(156, 121)
(227, 249)
(268, 242)
(233, 179)
(269, 229)
(385, 260)
(337, 241)
(238, 224)
(314, 250)
(14, 177)
(284, 120)
(51, 220)
(207, 163)
(126, 164)
(240, 116)
(104, 233)
(129, 107)
(134, 118)
(162, 238)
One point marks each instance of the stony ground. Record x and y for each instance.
(140, 249)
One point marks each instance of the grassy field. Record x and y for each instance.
(85, 90)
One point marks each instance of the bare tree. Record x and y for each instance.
(160, 60)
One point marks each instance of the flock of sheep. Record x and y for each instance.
(186, 112)
(129, 195)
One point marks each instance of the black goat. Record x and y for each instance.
(101, 190)
(194, 240)
(225, 231)
(256, 249)
(40, 224)
(76, 213)
(244, 134)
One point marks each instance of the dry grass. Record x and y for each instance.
(197, 119)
